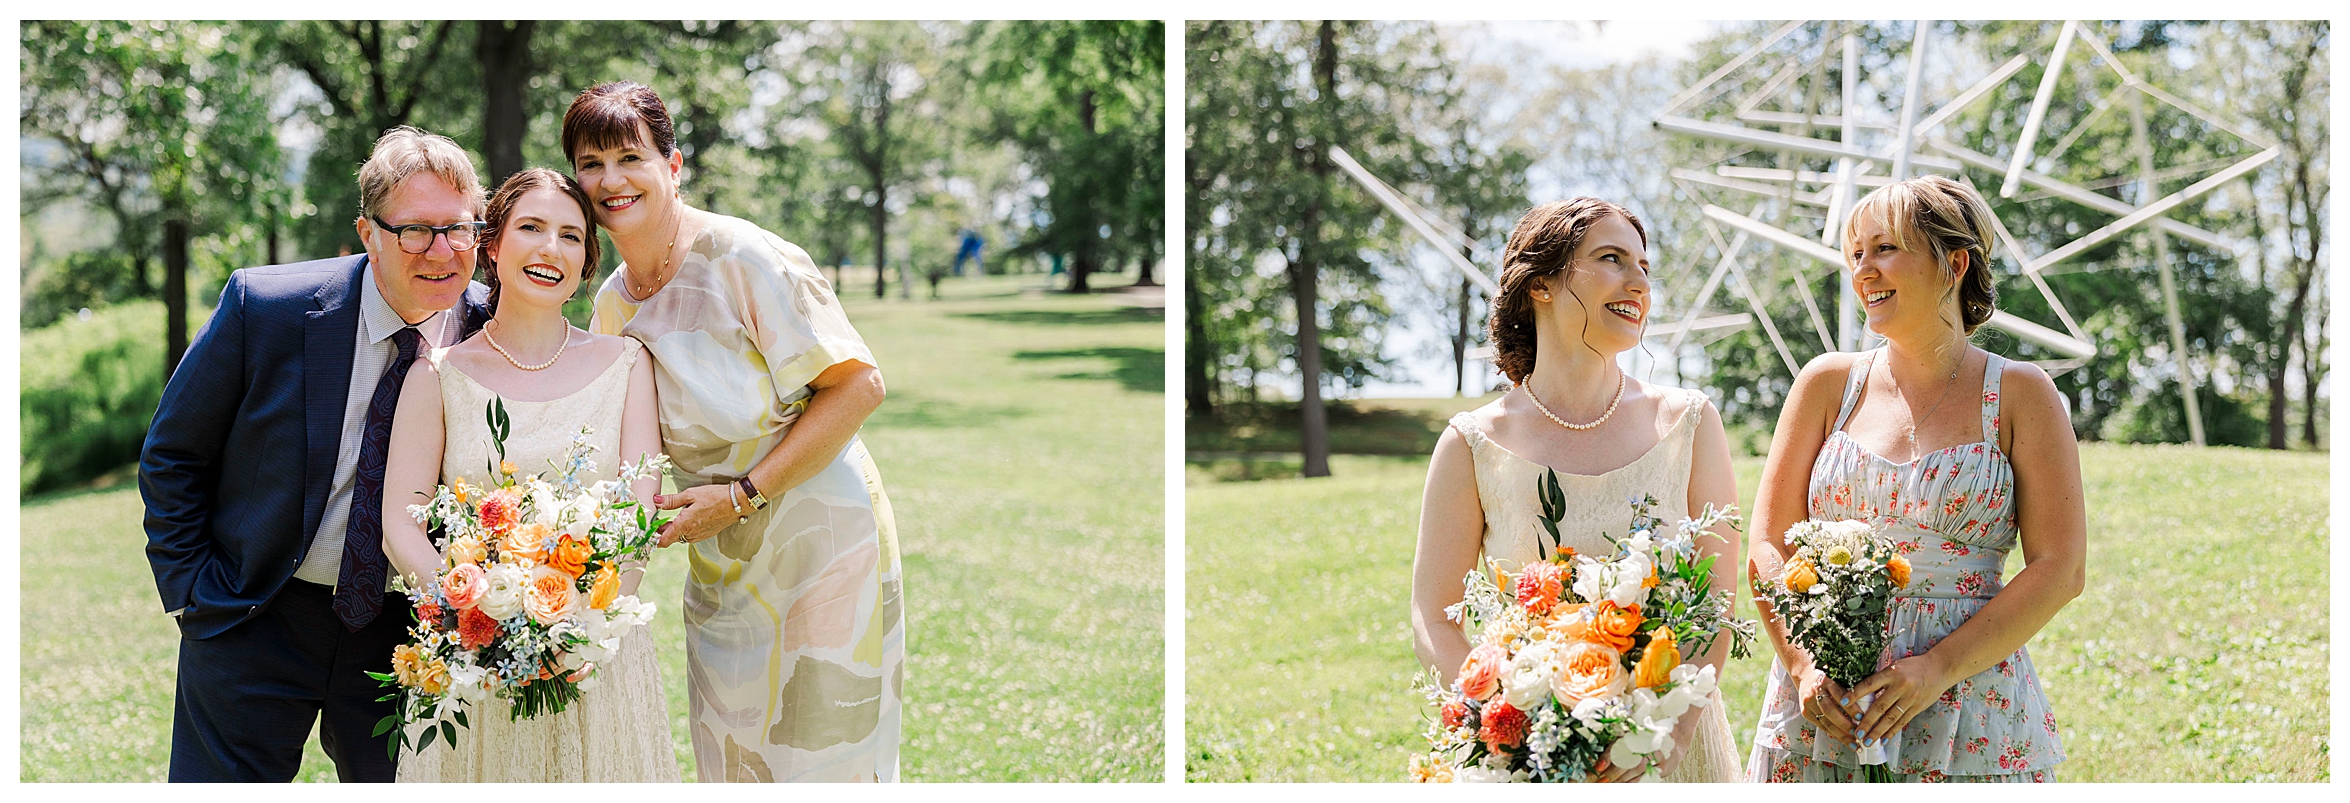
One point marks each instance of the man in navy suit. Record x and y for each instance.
(263, 482)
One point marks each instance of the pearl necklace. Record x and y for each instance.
(485, 334)
(1603, 417)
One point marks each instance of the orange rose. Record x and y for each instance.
(570, 554)
(1481, 673)
(551, 597)
(527, 541)
(1590, 670)
(1613, 625)
(606, 586)
(1657, 661)
(1898, 570)
(1800, 576)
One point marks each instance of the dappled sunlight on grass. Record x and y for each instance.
(2197, 652)
(1030, 517)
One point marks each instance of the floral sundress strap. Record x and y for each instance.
(1854, 376)
(1992, 368)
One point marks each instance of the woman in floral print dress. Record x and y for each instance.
(1956, 695)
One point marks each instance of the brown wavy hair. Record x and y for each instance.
(1939, 217)
(1542, 246)
(502, 208)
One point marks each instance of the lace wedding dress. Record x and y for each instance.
(1596, 504)
(617, 731)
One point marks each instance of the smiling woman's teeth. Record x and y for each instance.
(1625, 310)
(1879, 296)
(619, 203)
(544, 275)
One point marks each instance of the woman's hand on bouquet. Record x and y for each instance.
(1903, 691)
(1611, 772)
(1823, 704)
(702, 511)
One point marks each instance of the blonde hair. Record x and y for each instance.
(1945, 217)
(405, 151)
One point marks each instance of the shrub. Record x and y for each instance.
(89, 387)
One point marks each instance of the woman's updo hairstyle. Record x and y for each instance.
(605, 116)
(502, 210)
(1939, 217)
(1542, 246)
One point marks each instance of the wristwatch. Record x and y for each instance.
(758, 500)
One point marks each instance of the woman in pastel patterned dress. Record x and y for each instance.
(795, 632)
(538, 248)
(1956, 699)
(1574, 295)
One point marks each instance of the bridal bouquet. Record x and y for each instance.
(1831, 596)
(1579, 658)
(527, 602)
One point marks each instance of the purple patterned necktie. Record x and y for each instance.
(359, 593)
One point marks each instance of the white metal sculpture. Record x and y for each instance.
(1898, 153)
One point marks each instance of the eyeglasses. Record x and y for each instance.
(417, 238)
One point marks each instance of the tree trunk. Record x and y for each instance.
(1460, 344)
(2277, 420)
(1198, 398)
(1460, 334)
(2312, 372)
(1314, 423)
(504, 51)
(876, 171)
(1304, 273)
(139, 280)
(175, 293)
(1142, 275)
(1081, 265)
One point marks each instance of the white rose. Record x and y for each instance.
(1526, 683)
(502, 598)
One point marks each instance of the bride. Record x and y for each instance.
(539, 248)
(1574, 294)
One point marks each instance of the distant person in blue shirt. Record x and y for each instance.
(970, 250)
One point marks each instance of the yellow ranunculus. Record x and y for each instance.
(1657, 661)
(1800, 576)
(1898, 570)
(606, 586)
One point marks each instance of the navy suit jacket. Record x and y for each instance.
(240, 457)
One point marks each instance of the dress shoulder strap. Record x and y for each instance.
(1993, 367)
(1854, 376)
(1466, 423)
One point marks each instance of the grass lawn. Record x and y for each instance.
(2197, 653)
(1021, 449)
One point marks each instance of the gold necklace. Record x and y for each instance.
(1947, 384)
(485, 334)
(661, 275)
(1603, 417)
